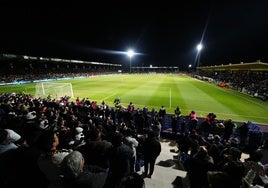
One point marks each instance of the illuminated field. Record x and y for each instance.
(155, 90)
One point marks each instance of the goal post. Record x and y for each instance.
(55, 90)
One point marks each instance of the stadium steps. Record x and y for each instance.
(166, 174)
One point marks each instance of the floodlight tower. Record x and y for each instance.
(130, 53)
(199, 48)
(189, 67)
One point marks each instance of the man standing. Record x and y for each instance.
(162, 112)
(151, 150)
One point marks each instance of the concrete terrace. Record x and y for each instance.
(167, 173)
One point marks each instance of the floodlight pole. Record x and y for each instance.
(199, 48)
(129, 64)
(130, 53)
(198, 60)
(189, 67)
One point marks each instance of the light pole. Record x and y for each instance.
(189, 68)
(130, 53)
(199, 48)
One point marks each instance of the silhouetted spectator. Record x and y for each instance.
(174, 126)
(162, 112)
(231, 173)
(50, 158)
(151, 150)
(243, 134)
(197, 168)
(264, 150)
(177, 111)
(120, 157)
(76, 175)
(254, 168)
(228, 129)
(192, 115)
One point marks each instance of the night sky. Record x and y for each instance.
(164, 34)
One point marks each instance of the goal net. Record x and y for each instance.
(54, 90)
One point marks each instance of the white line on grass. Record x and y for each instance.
(108, 96)
(169, 97)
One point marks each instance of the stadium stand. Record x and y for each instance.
(248, 78)
(206, 145)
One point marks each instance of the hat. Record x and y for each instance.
(234, 141)
(12, 113)
(31, 115)
(79, 129)
(44, 124)
(13, 135)
(210, 137)
(217, 138)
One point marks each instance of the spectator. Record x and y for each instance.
(151, 150)
(50, 158)
(177, 111)
(231, 173)
(96, 150)
(76, 175)
(206, 126)
(254, 169)
(162, 112)
(120, 157)
(198, 166)
(19, 168)
(131, 107)
(228, 129)
(9, 140)
(264, 150)
(156, 128)
(192, 115)
(243, 134)
(174, 122)
(133, 144)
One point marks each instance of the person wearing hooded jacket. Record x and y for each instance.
(151, 150)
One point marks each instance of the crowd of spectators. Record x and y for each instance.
(21, 70)
(37, 134)
(81, 143)
(211, 153)
(254, 83)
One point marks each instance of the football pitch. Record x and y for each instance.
(169, 90)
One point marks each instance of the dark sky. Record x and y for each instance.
(164, 34)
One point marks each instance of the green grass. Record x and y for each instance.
(155, 90)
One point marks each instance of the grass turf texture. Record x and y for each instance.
(169, 90)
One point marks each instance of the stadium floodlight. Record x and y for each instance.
(130, 53)
(199, 48)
